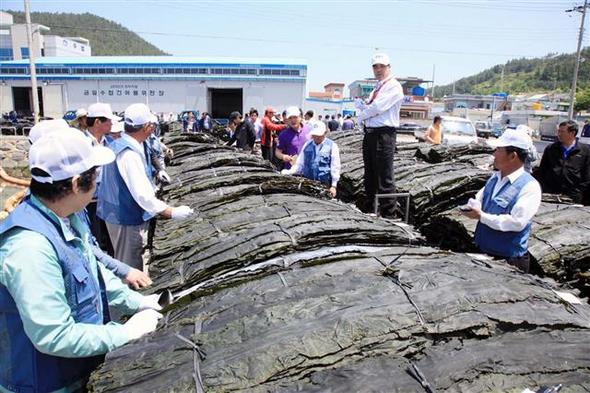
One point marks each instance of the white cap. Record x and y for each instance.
(100, 109)
(380, 58)
(64, 155)
(46, 127)
(292, 111)
(524, 128)
(81, 112)
(117, 127)
(139, 114)
(318, 128)
(515, 138)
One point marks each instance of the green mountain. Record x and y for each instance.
(552, 73)
(107, 38)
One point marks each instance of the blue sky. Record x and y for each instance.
(337, 38)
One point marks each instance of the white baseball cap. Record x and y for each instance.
(81, 112)
(318, 128)
(63, 155)
(292, 111)
(380, 58)
(139, 114)
(515, 138)
(100, 109)
(117, 127)
(45, 127)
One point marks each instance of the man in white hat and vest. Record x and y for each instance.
(127, 200)
(505, 206)
(319, 159)
(54, 297)
(379, 115)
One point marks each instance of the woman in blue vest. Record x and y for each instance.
(319, 159)
(54, 297)
(506, 205)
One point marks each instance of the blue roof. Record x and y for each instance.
(163, 60)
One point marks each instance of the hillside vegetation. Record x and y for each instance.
(552, 73)
(107, 38)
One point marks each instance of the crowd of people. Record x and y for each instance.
(73, 247)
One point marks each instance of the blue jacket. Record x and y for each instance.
(318, 167)
(22, 367)
(115, 202)
(498, 243)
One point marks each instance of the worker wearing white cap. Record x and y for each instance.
(133, 277)
(319, 159)
(54, 296)
(379, 115)
(127, 199)
(505, 206)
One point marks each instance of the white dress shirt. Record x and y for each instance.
(524, 209)
(131, 164)
(384, 108)
(334, 163)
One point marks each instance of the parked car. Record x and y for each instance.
(455, 130)
(483, 129)
(410, 128)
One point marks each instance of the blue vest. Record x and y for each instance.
(115, 203)
(494, 242)
(318, 167)
(22, 367)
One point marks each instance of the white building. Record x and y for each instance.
(14, 44)
(56, 46)
(165, 83)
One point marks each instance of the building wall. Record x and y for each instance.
(162, 96)
(61, 46)
(325, 107)
(19, 40)
(6, 104)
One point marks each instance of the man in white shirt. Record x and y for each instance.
(99, 121)
(319, 159)
(506, 205)
(127, 199)
(380, 118)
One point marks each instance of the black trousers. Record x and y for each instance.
(378, 152)
(265, 152)
(99, 230)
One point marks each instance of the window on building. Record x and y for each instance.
(82, 48)
(24, 52)
(65, 42)
(6, 54)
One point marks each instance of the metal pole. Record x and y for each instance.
(433, 70)
(34, 91)
(577, 65)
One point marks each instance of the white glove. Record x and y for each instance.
(181, 212)
(143, 322)
(285, 172)
(164, 177)
(150, 302)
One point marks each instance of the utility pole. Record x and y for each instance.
(502, 79)
(34, 91)
(581, 9)
(433, 70)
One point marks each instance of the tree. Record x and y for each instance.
(583, 100)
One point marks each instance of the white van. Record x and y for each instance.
(456, 130)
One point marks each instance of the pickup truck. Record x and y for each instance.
(483, 129)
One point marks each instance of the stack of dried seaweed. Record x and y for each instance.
(284, 291)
